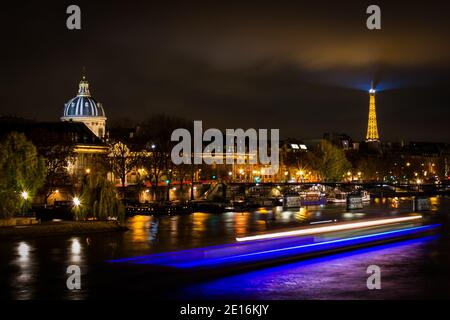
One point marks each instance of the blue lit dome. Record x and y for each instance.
(84, 108)
(83, 105)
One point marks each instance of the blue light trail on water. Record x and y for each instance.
(259, 252)
(300, 278)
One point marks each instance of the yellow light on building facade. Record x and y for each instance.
(24, 195)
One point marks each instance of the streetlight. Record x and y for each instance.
(24, 195)
(76, 201)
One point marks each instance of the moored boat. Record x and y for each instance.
(312, 198)
(338, 196)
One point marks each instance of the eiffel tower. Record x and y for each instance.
(372, 127)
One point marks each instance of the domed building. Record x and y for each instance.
(84, 108)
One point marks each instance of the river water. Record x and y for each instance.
(420, 268)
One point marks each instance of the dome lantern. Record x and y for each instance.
(83, 89)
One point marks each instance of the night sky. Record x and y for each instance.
(301, 66)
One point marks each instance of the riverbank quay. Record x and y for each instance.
(55, 228)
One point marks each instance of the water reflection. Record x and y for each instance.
(394, 202)
(241, 223)
(75, 249)
(301, 215)
(154, 224)
(24, 251)
(339, 276)
(434, 203)
(23, 280)
(138, 226)
(37, 268)
(149, 234)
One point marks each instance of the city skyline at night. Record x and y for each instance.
(209, 158)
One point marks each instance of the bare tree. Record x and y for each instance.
(122, 161)
(156, 132)
(58, 151)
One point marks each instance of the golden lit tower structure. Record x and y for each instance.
(372, 127)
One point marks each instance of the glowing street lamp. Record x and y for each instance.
(24, 196)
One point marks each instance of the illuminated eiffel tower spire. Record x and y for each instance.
(372, 127)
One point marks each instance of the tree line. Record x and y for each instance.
(39, 165)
